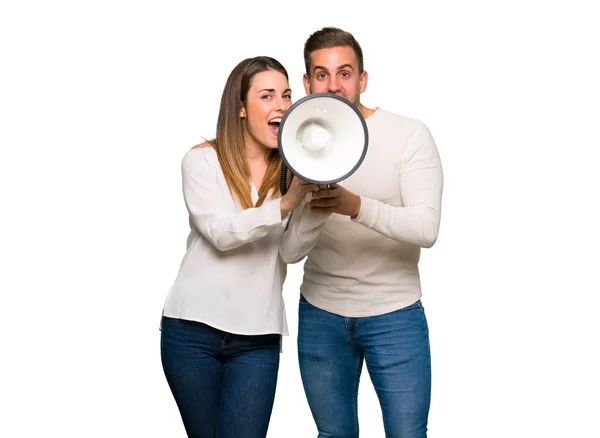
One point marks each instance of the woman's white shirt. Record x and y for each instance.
(231, 275)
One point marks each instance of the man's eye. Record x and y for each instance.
(321, 75)
(287, 96)
(345, 74)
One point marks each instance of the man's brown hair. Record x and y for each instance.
(327, 38)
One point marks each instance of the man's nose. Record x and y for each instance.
(333, 85)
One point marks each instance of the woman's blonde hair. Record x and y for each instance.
(229, 141)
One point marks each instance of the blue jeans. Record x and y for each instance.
(395, 347)
(223, 384)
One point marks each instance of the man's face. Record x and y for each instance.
(335, 70)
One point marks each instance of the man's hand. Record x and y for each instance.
(336, 199)
(203, 145)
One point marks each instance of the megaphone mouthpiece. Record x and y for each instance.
(314, 136)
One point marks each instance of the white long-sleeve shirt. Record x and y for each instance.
(231, 276)
(369, 266)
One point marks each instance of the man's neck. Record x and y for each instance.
(366, 112)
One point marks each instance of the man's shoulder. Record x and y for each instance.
(395, 125)
(391, 119)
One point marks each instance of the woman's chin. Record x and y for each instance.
(272, 143)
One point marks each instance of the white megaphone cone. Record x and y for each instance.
(314, 137)
(322, 139)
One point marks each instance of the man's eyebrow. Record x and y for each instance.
(341, 67)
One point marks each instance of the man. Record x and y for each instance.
(360, 296)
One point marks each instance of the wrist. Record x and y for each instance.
(284, 206)
(356, 209)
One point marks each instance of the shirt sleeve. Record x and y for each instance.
(421, 186)
(211, 214)
(302, 233)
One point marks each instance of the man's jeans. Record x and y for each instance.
(224, 384)
(395, 346)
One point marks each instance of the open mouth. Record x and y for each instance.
(274, 125)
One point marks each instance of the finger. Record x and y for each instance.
(323, 210)
(299, 180)
(328, 202)
(300, 183)
(326, 194)
(304, 187)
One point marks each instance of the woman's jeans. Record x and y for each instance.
(395, 347)
(223, 384)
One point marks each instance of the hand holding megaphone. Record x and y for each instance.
(335, 199)
(295, 194)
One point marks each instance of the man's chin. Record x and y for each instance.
(345, 96)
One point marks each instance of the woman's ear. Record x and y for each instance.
(243, 111)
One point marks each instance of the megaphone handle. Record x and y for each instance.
(283, 179)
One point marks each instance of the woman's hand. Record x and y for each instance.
(295, 194)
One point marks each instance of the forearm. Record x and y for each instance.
(417, 224)
(421, 180)
(233, 231)
(302, 234)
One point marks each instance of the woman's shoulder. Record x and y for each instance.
(201, 155)
(203, 145)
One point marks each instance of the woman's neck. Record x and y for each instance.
(256, 157)
(255, 153)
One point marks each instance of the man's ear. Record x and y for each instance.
(306, 82)
(364, 78)
(243, 112)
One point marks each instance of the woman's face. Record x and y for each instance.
(269, 97)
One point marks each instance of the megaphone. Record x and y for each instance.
(322, 139)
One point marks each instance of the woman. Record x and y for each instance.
(224, 316)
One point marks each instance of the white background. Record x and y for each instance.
(100, 100)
